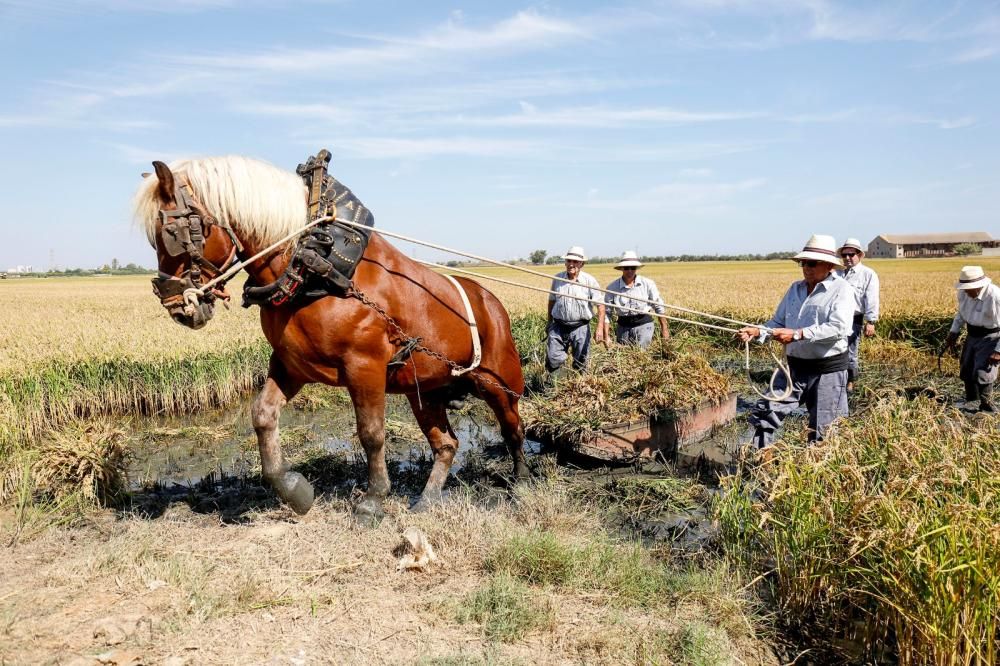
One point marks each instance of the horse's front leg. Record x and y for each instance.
(278, 389)
(368, 397)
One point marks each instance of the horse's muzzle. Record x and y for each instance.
(191, 312)
(193, 317)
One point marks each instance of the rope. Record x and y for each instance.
(240, 265)
(237, 267)
(782, 368)
(523, 269)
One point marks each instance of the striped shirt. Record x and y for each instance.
(621, 302)
(567, 306)
(866, 287)
(825, 317)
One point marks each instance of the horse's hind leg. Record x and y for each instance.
(432, 416)
(504, 406)
(369, 411)
(278, 389)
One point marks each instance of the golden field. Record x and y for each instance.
(113, 318)
(82, 346)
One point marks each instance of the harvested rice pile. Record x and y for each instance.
(623, 384)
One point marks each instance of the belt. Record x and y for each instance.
(634, 320)
(819, 365)
(571, 324)
(980, 331)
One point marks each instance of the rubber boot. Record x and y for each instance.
(986, 398)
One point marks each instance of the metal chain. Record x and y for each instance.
(361, 296)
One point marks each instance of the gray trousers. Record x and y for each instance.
(562, 339)
(976, 370)
(641, 335)
(824, 395)
(853, 342)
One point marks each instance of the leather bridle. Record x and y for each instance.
(183, 231)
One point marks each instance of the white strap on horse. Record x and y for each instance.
(477, 349)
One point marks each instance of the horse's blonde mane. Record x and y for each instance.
(259, 201)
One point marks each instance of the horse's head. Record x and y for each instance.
(192, 249)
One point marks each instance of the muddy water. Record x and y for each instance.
(216, 444)
(209, 461)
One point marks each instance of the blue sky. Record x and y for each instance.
(673, 126)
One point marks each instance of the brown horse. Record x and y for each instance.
(240, 206)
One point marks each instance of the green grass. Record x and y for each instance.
(624, 573)
(59, 391)
(507, 609)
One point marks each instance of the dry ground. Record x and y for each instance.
(185, 589)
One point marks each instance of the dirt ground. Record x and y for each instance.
(187, 588)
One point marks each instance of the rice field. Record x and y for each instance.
(104, 345)
(885, 534)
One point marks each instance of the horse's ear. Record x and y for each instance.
(165, 186)
(146, 174)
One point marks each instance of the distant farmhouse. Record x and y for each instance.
(897, 246)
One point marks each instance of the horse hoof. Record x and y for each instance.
(295, 491)
(428, 500)
(522, 473)
(368, 513)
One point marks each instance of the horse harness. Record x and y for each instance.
(183, 230)
(323, 262)
(324, 259)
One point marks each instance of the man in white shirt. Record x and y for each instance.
(866, 301)
(569, 316)
(813, 321)
(979, 310)
(634, 323)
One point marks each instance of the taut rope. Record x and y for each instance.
(781, 368)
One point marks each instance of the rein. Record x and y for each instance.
(781, 366)
(192, 294)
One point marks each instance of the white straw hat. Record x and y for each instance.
(575, 253)
(972, 277)
(629, 260)
(853, 243)
(820, 248)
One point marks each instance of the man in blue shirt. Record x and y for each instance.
(813, 321)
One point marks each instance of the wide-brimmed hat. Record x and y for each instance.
(820, 248)
(972, 277)
(852, 243)
(575, 253)
(629, 260)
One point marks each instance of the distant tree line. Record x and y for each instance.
(539, 257)
(647, 259)
(107, 269)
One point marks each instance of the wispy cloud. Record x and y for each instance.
(397, 148)
(676, 197)
(977, 53)
(601, 117)
(525, 31)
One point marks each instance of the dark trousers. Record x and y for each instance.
(823, 393)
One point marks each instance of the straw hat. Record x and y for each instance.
(851, 243)
(629, 260)
(820, 248)
(972, 277)
(575, 253)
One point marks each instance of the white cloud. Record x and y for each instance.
(687, 197)
(525, 31)
(398, 148)
(977, 54)
(602, 117)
